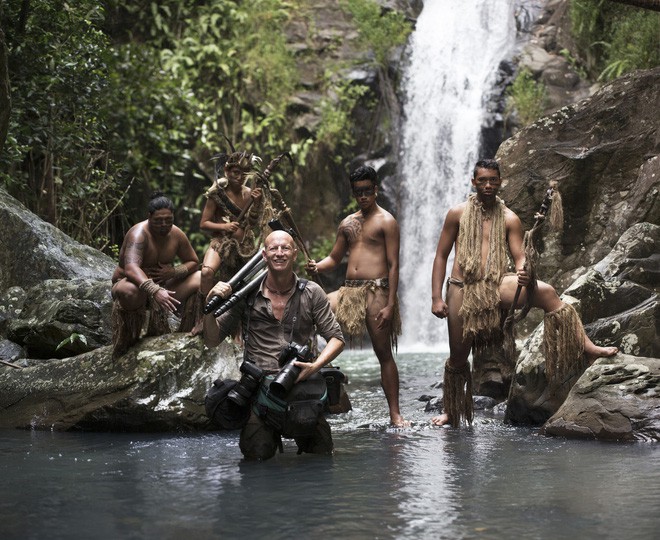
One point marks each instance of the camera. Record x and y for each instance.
(287, 376)
(246, 388)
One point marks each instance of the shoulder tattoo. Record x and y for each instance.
(352, 227)
(134, 252)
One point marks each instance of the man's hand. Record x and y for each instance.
(166, 300)
(384, 317)
(523, 277)
(439, 308)
(231, 227)
(307, 369)
(161, 273)
(311, 267)
(221, 289)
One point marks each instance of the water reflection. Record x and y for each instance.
(489, 481)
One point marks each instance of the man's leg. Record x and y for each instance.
(459, 349)
(382, 344)
(545, 297)
(128, 315)
(320, 442)
(210, 266)
(258, 441)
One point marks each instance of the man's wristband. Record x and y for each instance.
(150, 287)
(180, 271)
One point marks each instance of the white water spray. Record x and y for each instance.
(455, 52)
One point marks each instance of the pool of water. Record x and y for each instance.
(487, 481)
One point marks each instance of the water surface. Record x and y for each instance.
(488, 481)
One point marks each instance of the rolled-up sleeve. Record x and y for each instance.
(323, 318)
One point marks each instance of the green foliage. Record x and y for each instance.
(112, 95)
(71, 340)
(56, 155)
(527, 96)
(614, 38)
(321, 247)
(336, 130)
(379, 30)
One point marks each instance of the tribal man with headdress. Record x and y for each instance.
(233, 242)
(483, 229)
(368, 299)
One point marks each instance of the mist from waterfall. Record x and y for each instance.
(455, 52)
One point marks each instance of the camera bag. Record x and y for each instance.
(222, 411)
(298, 413)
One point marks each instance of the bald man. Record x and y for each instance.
(283, 310)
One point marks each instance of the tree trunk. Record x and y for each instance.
(5, 92)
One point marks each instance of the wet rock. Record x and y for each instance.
(159, 385)
(603, 151)
(11, 305)
(63, 318)
(32, 250)
(10, 351)
(615, 399)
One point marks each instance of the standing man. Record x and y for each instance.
(147, 277)
(284, 310)
(481, 230)
(368, 299)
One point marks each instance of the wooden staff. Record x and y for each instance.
(10, 364)
(530, 250)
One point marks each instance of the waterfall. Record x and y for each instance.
(455, 52)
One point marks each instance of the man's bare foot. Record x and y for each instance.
(440, 420)
(399, 422)
(197, 329)
(594, 352)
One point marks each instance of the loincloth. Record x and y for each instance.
(354, 300)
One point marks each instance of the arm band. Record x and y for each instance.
(180, 271)
(150, 287)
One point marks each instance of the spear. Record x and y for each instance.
(551, 200)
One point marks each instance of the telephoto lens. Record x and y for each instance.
(287, 376)
(284, 380)
(247, 387)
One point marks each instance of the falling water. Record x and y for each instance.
(455, 53)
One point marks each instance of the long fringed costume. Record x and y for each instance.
(481, 311)
(352, 306)
(563, 343)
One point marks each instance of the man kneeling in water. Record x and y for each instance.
(283, 310)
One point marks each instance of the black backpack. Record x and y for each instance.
(222, 411)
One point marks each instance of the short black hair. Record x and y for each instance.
(158, 201)
(489, 164)
(364, 172)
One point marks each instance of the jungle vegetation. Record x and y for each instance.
(111, 100)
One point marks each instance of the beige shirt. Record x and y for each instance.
(268, 336)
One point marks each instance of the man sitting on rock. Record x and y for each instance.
(147, 277)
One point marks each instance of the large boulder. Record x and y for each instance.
(604, 153)
(62, 318)
(615, 399)
(615, 311)
(32, 251)
(159, 385)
